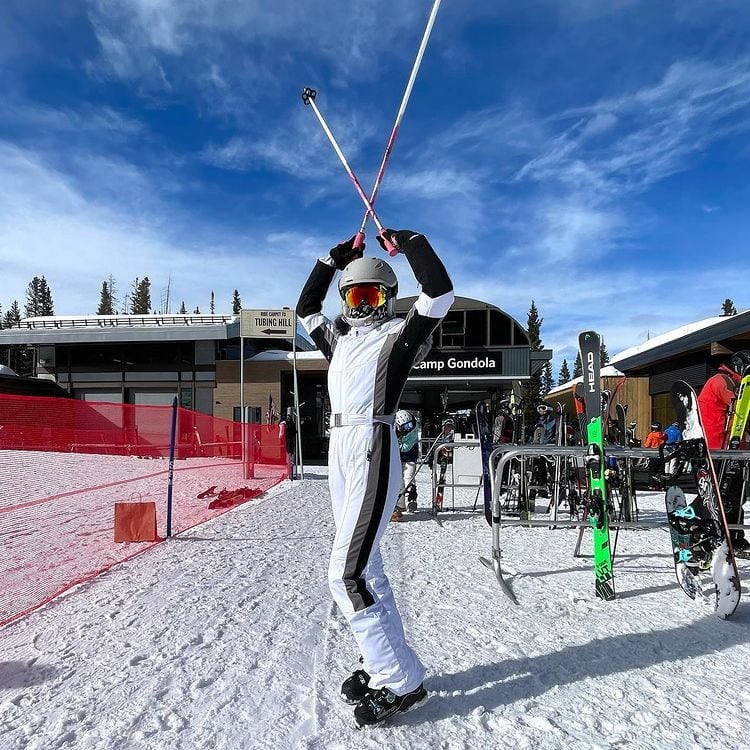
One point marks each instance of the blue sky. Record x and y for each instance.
(593, 156)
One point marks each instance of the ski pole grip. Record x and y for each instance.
(359, 240)
(308, 94)
(390, 248)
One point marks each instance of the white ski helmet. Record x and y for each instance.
(368, 289)
(404, 421)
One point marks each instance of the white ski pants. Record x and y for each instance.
(364, 479)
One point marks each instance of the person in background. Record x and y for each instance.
(502, 428)
(408, 444)
(545, 429)
(714, 403)
(290, 437)
(673, 434)
(655, 439)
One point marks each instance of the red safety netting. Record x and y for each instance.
(65, 463)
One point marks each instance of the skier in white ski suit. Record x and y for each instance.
(371, 353)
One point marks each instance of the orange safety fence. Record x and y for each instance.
(65, 464)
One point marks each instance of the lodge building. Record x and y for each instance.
(479, 352)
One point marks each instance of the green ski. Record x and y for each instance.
(741, 409)
(590, 344)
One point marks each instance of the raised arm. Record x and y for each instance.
(310, 304)
(437, 295)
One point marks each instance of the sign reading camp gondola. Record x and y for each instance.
(465, 364)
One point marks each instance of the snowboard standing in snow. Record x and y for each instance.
(484, 430)
(699, 532)
(589, 344)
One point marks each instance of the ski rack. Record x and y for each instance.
(505, 454)
(452, 484)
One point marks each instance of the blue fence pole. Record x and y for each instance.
(171, 467)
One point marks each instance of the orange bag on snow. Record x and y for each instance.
(135, 522)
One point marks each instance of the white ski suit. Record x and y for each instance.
(368, 369)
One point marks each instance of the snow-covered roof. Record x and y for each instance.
(606, 372)
(664, 338)
(685, 338)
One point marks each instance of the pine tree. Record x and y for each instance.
(33, 298)
(105, 301)
(236, 303)
(197, 310)
(212, 306)
(564, 373)
(12, 318)
(603, 354)
(531, 388)
(140, 299)
(183, 309)
(46, 305)
(19, 358)
(578, 366)
(547, 380)
(113, 296)
(728, 308)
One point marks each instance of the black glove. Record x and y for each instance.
(400, 238)
(344, 253)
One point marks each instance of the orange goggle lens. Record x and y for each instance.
(372, 294)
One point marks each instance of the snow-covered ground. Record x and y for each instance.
(57, 513)
(225, 638)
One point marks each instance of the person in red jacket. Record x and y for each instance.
(656, 438)
(714, 403)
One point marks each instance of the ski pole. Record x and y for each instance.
(360, 236)
(308, 97)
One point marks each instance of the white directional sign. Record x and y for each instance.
(267, 324)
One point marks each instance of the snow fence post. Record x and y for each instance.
(171, 467)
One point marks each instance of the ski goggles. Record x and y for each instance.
(371, 294)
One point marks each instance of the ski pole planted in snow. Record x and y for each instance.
(308, 97)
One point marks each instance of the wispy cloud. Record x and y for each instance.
(162, 45)
(297, 146)
(47, 226)
(652, 131)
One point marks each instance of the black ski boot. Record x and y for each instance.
(378, 705)
(355, 687)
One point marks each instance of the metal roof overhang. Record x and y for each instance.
(49, 336)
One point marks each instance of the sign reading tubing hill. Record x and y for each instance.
(468, 363)
(258, 324)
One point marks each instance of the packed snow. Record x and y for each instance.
(225, 638)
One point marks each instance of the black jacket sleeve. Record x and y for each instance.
(310, 305)
(427, 267)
